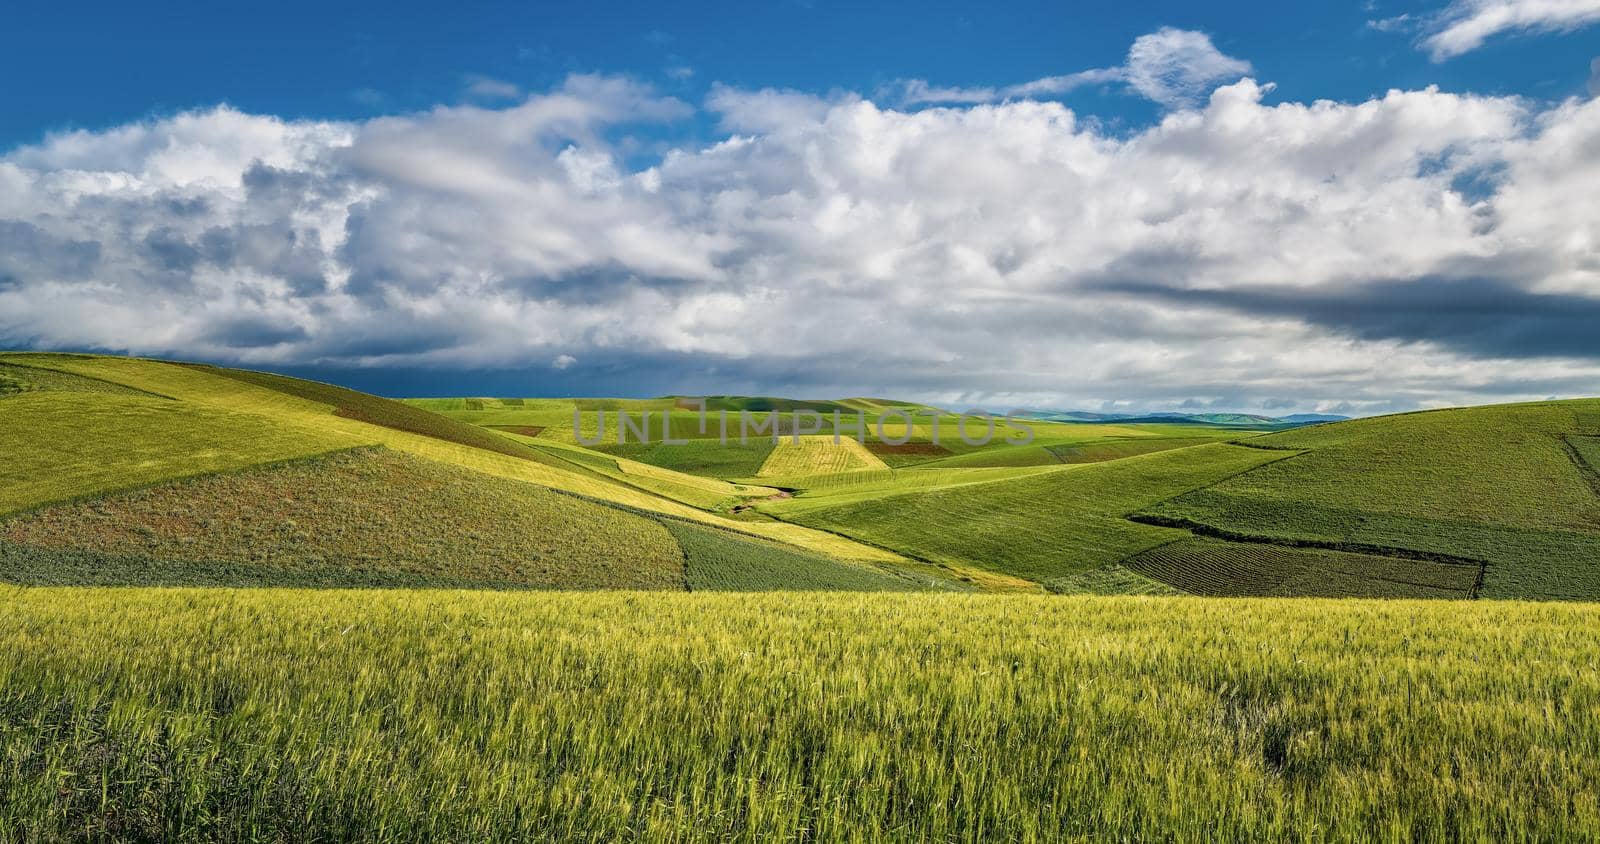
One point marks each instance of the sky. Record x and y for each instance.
(1351, 208)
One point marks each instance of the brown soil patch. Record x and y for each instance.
(932, 449)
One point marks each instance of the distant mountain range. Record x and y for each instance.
(1240, 419)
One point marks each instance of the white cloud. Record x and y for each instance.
(1466, 24)
(1398, 23)
(489, 88)
(563, 362)
(1176, 67)
(1415, 248)
(1172, 67)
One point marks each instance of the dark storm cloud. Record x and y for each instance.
(1481, 317)
(252, 332)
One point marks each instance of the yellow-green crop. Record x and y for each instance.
(166, 714)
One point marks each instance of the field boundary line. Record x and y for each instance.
(1214, 532)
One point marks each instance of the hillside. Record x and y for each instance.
(129, 471)
(139, 472)
(1496, 502)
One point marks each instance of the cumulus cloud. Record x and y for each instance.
(1172, 67)
(1465, 25)
(1594, 77)
(1416, 248)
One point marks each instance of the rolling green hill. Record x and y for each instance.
(134, 471)
(131, 471)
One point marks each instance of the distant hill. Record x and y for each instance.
(1172, 418)
(1313, 418)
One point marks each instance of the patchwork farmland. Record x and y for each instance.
(239, 603)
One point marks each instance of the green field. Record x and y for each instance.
(1040, 526)
(1218, 567)
(239, 606)
(456, 716)
(173, 422)
(1398, 506)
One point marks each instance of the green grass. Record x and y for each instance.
(707, 458)
(80, 445)
(1206, 566)
(284, 715)
(1039, 526)
(380, 516)
(16, 379)
(718, 560)
(376, 410)
(1080, 450)
(63, 445)
(1098, 452)
(1492, 484)
(26, 565)
(1586, 450)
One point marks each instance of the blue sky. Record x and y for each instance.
(93, 65)
(1250, 206)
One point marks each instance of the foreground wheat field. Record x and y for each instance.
(190, 714)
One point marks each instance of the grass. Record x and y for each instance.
(1586, 450)
(79, 445)
(818, 455)
(376, 410)
(1207, 566)
(16, 379)
(1098, 452)
(1492, 484)
(1108, 580)
(718, 560)
(707, 458)
(398, 716)
(1039, 526)
(378, 515)
(26, 565)
(64, 445)
(1084, 450)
